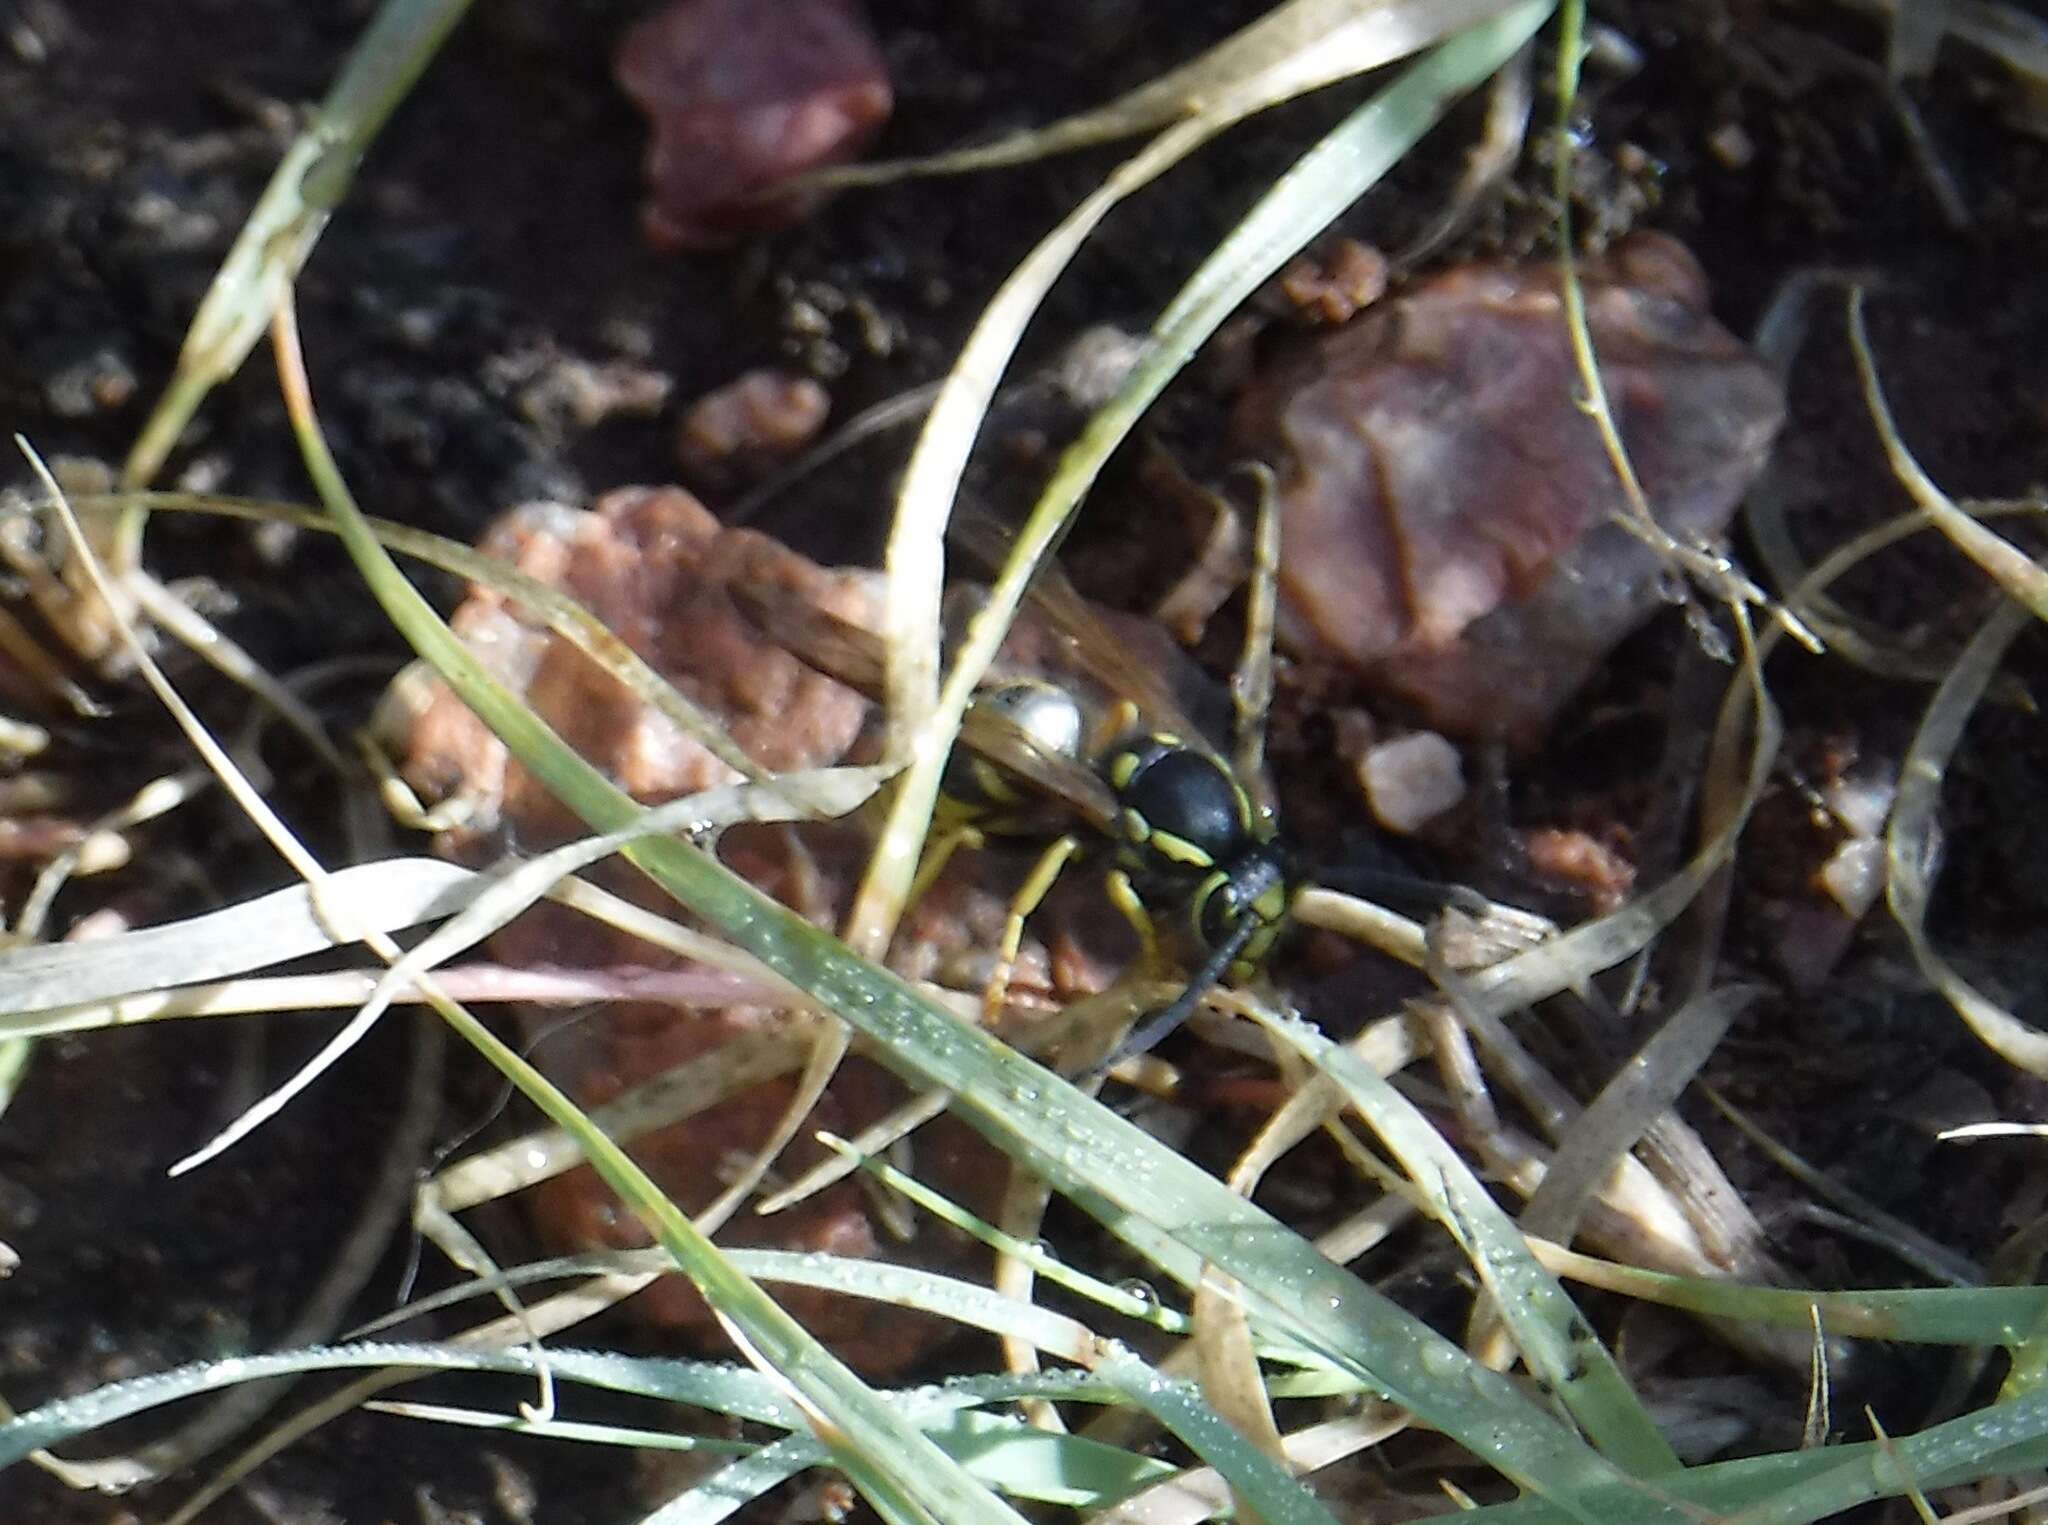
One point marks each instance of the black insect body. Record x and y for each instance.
(1187, 830)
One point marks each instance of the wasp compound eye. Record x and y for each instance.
(1251, 888)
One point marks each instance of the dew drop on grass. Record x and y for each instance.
(1139, 1291)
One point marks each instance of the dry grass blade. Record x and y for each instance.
(1229, 1365)
(1294, 48)
(2014, 571)
(1912, 840)
(286, 924)
(1627, 1106)
(507, 894)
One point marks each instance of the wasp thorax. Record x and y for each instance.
(1180, 804)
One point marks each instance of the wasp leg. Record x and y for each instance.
(1044, 874)
(938, 852)
(1124, 896)
(1116, 721)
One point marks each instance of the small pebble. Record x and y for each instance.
(766, 412)
(743, 96)
(1411, 780)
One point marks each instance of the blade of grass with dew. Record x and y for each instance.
(946, 1297)
(1329, 178)
(878, 1280)
(1118, 1300)
(892, 1465)
(1262, 1488)
(1981, 1316)
(345, 1399)
(287, 220)
(895, 1469)
(1559, 1346)
(967, 1303)
(722, 1389)
(1110, 1168)
(1034, 1464)
(1794, 1487)
(732, 1488)
(563, 1429)
(1912, 835)
(943, 1411)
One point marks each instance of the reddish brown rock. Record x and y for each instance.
(651, 564)
(1447, 503)
(743, 95)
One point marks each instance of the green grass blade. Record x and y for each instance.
(899, 1471)
(288, 218)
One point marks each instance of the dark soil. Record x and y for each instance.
(491, 243)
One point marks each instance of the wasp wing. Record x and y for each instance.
(854, 656)
(1097, 650)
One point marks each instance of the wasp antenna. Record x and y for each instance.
(1148, 1037)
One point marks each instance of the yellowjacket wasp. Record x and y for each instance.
(1184, 830)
